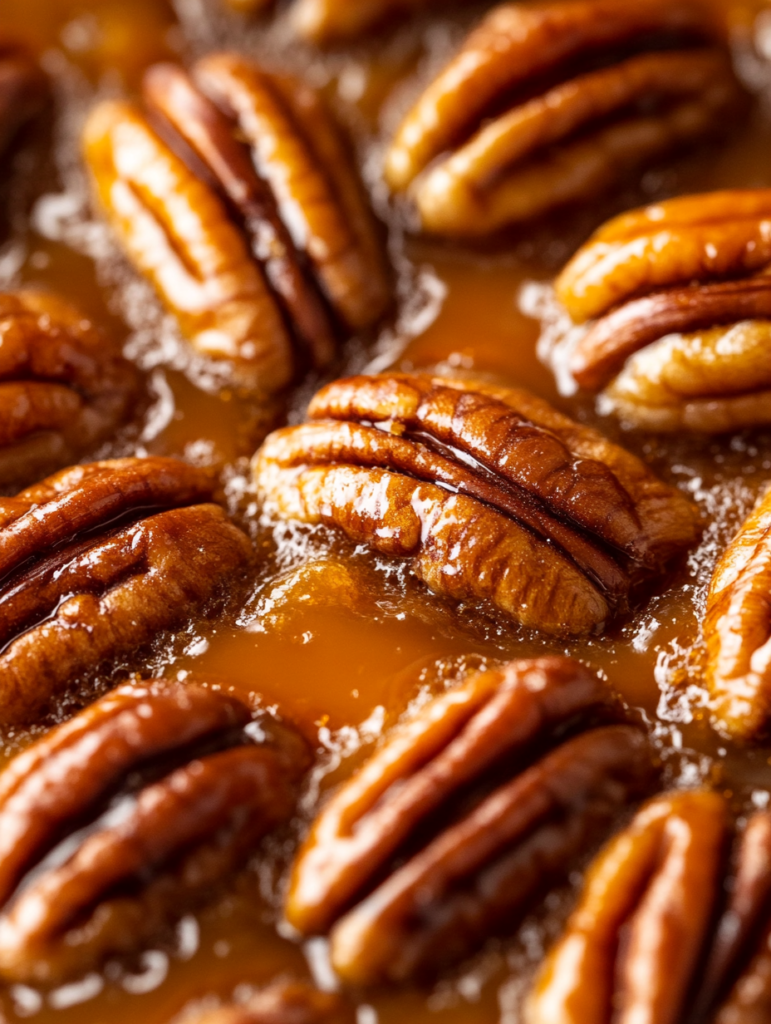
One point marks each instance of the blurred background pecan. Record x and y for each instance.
(95, 562)
(329, 21)
(123, 818)
(458, 822)
(493, 495)
(284, 1002)
(233, 192)
(63, 386)
(551, 103)
(23, 90)
(677, 299)
(670, 928)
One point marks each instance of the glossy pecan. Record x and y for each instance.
(63, 387)
(493, 494)
(330, 21)
(282, 1003)
(95, 562)
(665, 922)
(551, 103)
(234, 194)
(457, 822)
(680, 305)
(23, 90)
(122, 818)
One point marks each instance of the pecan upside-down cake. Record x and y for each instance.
(385, 512)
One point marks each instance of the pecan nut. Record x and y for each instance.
(460, 880)
(493, 494)
(174, 796)
(736, 630)
(234, 194)
(655, 937)
(680, 307)
(589, 91)
(282, 1003)
(62, 386)
(329, 21)
(96, 561)
(23, 90)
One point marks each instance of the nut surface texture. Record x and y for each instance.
(492, 494)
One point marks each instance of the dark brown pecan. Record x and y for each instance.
(235, 195)
(457, 822)
(551, 103)
(493, 494)
(671, 343)
(282, 1003)
(122, 818)
(63, 387)
(23, 90)
(97, 560)
(658, 936)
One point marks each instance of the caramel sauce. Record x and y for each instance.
(344, 646)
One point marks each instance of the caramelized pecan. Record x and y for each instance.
(673, 345)
(23, 90)
(550, 103)
(95, 562)
(328, 21)
(462, 816)
(282, 1003)
(122, 818)
(63, 387)
(493, 494)
(658, 936)
(737, 627)
(234, 194)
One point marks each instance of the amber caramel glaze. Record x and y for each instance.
(345, 638)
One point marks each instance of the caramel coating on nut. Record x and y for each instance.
(63, 387)
(282, 1003)
(329, 21)
(23, 91)
(493, 494)
(80, 589)
(737, 628)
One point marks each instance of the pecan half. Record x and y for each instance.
(672, 345)
(462, 816)
(550, 103)
(737, 627)
(95, 562)
(23, 90)
(329, 21)
(658, 936)
(125, 816)
(493, 494)
(282, 1003)
(234, 195)
(63, 387)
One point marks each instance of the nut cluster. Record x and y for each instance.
(492, 494)
(95, 562)
(175, 795)
(233, 193)
(462, 818)
(677, 302)
(552, 103)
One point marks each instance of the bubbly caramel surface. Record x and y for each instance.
(340, 641)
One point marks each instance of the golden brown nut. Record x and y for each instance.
(175, 796)
(63, 387)
(395, 914)
(95, 562)
(589, 92)
(640, 946)
(282, 1003)
(23, 90)
(330, 21)
(673, 343)
(492, 494)
(259, 240)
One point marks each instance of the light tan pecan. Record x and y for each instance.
(493, 495)
(234, 194)
(95, 562)
(425, 851)
(281, 1003)
(23, 90)
(63, 386)
(680, 303)
(120, 820)
(665, 923)
(552, 103)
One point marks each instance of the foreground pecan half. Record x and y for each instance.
(282, 1003)
(550, 103)
(126, 815)
(23, 90)
(95, 562)
(658, 936)
(233, 193)
(63, 387)
(493, 494)
(460, 819)
(679, 300)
